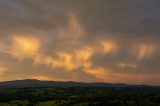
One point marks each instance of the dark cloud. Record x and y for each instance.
(69, 26)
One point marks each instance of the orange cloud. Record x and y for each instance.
(65, 60)
(74, 30)
(3, 70)
(145, 51)
(107, 75)
(83, 56)
(108, 47)
(41, 77)
(75, 26)
(68, 60)
(99, 73)
(126, 65)
(5, 49)
(25, 46)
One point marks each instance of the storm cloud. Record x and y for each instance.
(90, 41)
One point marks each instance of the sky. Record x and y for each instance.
(114, 41)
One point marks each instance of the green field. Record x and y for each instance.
(81, 96)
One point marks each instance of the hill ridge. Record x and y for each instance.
(43, 83)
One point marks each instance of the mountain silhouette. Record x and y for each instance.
(38, 83)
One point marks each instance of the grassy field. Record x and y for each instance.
(81, 96)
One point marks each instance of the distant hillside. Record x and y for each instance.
(38, 83)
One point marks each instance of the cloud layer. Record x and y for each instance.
(80, 40)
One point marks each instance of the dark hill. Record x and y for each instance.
(38, 83)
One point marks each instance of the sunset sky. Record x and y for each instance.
(116, 41)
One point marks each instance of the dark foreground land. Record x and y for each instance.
(80, 96)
